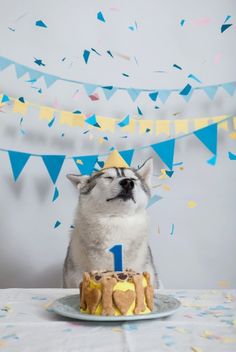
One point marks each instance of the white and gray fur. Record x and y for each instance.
(108, 214)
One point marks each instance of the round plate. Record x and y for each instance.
(69, 306)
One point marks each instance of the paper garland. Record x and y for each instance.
(109, 91)
(110, 124)
(89, 163)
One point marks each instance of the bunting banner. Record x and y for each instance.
(126, 124)
(86, 164)
(108, 90)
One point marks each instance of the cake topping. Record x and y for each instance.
(122, 276)
(123, 300)
(107, 287)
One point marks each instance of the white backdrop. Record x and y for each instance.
(201, 252)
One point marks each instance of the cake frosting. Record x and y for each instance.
(116, 293)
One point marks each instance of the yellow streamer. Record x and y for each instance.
(162, 126)
(20, 107)
(181, 126)
(46, 113)
(200, 123)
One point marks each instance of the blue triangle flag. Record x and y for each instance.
(4, 63)
(91, 120)
(18, 161)
(89, 88)
(20, 70)
(232, 156)
(86, 163)
(53, 164)
(208, 136)
(86, 55)
(49, 80)
(187, 96)
(165, 150)
(153, 96)
(133, 93)
(109, 92)
(210, 91)
(229, 87)
(164, 95)
(34, 74)
(127, 155)
(155, 198)
(186, 90)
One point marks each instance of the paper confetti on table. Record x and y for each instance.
(57, 223)
(100, 17)
(177, 66)
(39, 62)
(192, 204)
(196, 349)
(86, 55)
(40, 23)
(125, 74)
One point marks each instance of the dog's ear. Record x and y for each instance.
(146, 170)
(77, 180)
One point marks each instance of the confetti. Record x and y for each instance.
(100, 17)
(177, 66)
(194, 78)
(39, 62)
(232, 156)
(5, 99)
(182, 22)
(139, 111)
(223, 283)
(224, 27)
(56, 194)
(124, 122)
(172, 229)
(109, 53)
(11, 29)
(40, 23)
(192, 204)
(86, 55)
(186, 90)
(95, 51)
(196, 349)
(212, 161)
(94, 97)
(166, 187)
(91, 120)
(169, 173)
(51, 122)
(153, 96)
(22, 100)
(125, 74)
(57, 223)
(232, 135)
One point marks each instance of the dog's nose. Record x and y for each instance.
(127, 184)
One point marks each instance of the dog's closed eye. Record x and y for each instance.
(109, 177)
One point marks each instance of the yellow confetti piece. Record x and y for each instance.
(192, 204)
(232, 135)
(116, 329)
(223, 283)
(47, 305)
(163, 174)
(7, 308)
(196, 349)
(166, 187)
(78, 161)
(207, 334)
(230, 297)
(228, 339)
(181, 168)
(183, 331)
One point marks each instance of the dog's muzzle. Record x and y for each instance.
(126, 193)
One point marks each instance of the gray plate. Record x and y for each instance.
(68, 306)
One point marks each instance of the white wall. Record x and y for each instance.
(202, 250)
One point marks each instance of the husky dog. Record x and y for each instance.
(111, 210)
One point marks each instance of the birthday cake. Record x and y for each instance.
(116, 293)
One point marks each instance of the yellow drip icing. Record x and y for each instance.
(122, 286)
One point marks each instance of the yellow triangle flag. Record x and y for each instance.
(46, 113)
(144, 125)
(200, 123)
(163, 126)
(181, 126)
(223, 125)
(20, 107)
(115, 160)
(71, 119)
(106, 123)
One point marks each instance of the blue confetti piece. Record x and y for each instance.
(40, 23)
(153, 96)
(179, 163)
(224, 27)
(172, 229)
(169, 173)
(125, 74)
(95, 51)
(11, 29)
(227, 18)
(182, 22)
(100, 17)
(124, 122)
(86, 55)
(106, 138)
(186, 90)
(63, 134)
(139, 111)
(39, 62)
(212, 161)
(153, 200)
(56, 194)
(194, 78)
(11, 336)
(5, 98)
(232, 156)
(57, 223)
(77, 112)
(148, 130)
(39, 298)
(21, 120)
(109, 53)
(51, 122)
(177, 66)
(72, 227)
(21, 99)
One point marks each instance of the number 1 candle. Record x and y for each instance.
(116, 250)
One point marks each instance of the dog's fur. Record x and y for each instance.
(108, 214)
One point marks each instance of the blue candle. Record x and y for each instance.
(116, 250)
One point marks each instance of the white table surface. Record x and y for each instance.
(206, 322)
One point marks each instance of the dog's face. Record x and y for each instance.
(115, 191)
